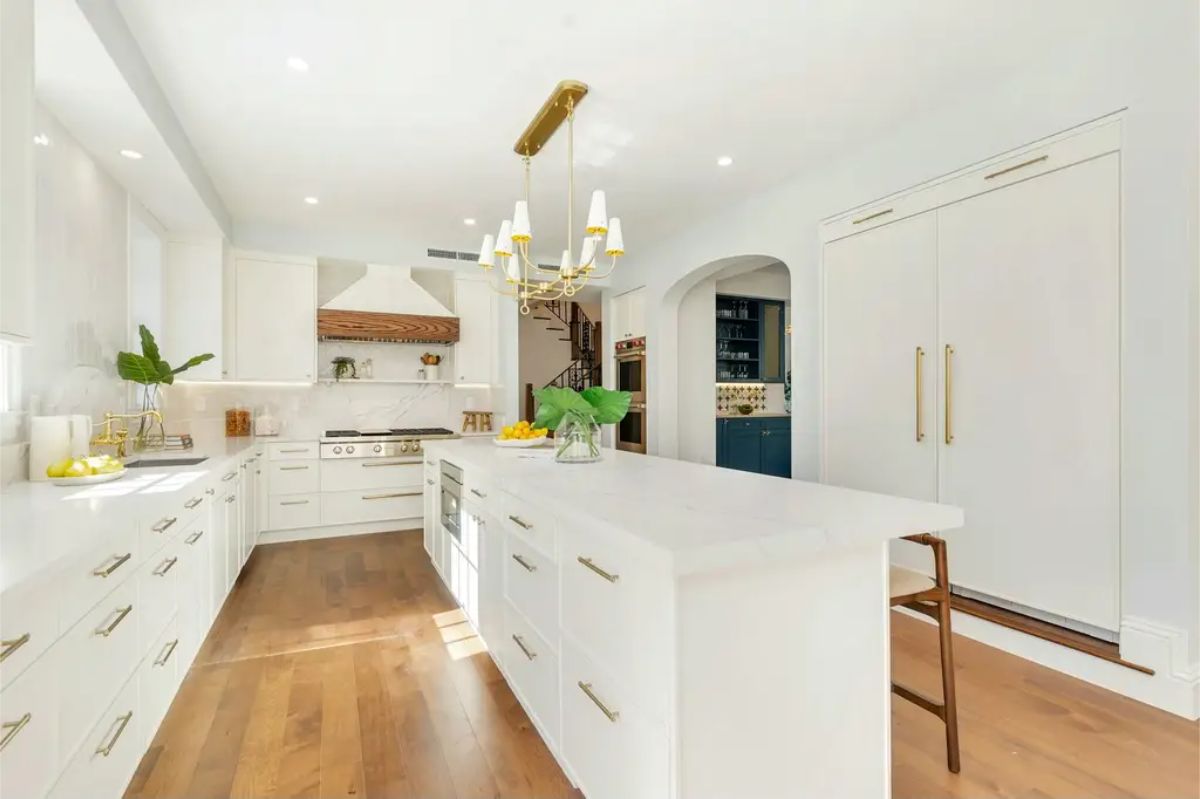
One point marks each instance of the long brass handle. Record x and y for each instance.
(920, 394)
(375, 464)
(165, 567)
(228, 477)
(194, 537)
(117, 562)
(295, 502)
(393, 496)
(529, 567)
(11, 645)
(166, 653)
(231, 498)
(1015, 167)
(529, 653)
(612, 578)
(119, 725)
(12, 728)
(295, 449)
(869, 217)
(293, 468)
(949, 409)
(586, 687)
(162, 524)
(104, 632)
(193, 502)
(519, 522)
(478, 493)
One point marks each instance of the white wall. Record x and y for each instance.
(1139, 56)
(541, 355)
(696, 368)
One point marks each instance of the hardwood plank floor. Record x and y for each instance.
(342, 668)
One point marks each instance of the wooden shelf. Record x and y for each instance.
(385, 381)
(755, 340)
(739, 360)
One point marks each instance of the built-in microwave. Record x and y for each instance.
(631, 376)
(452, 478)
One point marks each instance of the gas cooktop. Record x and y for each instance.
(392, 442)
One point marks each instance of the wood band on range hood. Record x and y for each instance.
(397, 327)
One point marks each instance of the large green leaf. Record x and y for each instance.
(138, 368)
(195, 360)
(610, 406)
(554, 403)
(165, 375)
(149, 345)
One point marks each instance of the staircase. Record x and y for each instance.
(571, 323)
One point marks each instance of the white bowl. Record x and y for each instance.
(520, 443)
(90, 479)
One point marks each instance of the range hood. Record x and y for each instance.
(382, 303)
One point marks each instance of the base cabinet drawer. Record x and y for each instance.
(293, 477)
(530, 522)
(29, 761)
(531, 584)
(293, 450)
(532, 668)
(158, 678)
(158, 594)
(28, 625)
(295, 511)
(87, 578)
(370, 474)
(615, 750)
(109, 752)
(349, 507)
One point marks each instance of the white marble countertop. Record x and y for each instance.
(701, 518)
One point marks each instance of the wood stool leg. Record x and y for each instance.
(949, 700)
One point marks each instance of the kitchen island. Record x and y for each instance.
(675, 629)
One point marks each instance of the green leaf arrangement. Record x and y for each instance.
(595, 404)
(148, 368)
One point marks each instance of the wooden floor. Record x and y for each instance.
(341, 668)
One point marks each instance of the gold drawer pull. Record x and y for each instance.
(428, 481)
(194, 537)
(193, 502)
(875, 215)
(519, 522)
(293, 468)
(166, 653)
(210, 491)
(231, 498)
(12, 728)
(586, 687)
(478, 493)
(529, 653)
(393, 496)
(374, 464)
(104, 632)
(1015, 167)
(612, 578)
(228, 477)
(163, 524)
(295, 449)
(11, 645)
(165, 567)
(295, 502)
(119, 725)
(117, 562)
(430, 463)
(529, 567)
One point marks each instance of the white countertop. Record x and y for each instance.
(702, 518)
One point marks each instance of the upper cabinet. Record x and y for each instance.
(629, 315)
(750, 339)
(275, 335)
(474, 353)
(16, 170)
(196, 277)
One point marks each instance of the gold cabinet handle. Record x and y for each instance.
(166, 653)
(210, 491)
(194, 537)
(163, 524)
(231, 498)
(394, 495)
(12, 728)
(869, 217)
(117, 562)
(295, 502)
(586, 687)
(105, 749)
(949, 409)
(529, 653)
(430, 463)
(478, 493)
(529, 567)
(375, 464)
(920, 394)
(228, 477)
(11, 645)
(588, 562)
(293, 468)
(428, 481)
(165, 567)
(104, 632)
(519, 522)
(1015, 167)
(295, 449)
(193, 502)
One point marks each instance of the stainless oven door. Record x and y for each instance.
(631, 374)
(631, 431)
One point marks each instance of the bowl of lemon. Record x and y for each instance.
(85, 470)
(521, 434)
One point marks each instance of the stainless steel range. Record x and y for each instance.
(396, 442)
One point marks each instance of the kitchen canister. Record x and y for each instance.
(53, 438)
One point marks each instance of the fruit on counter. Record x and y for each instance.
(522, 431)
(82, 467)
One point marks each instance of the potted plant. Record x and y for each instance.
(431, 361)
(343, 367)
(576, 418)
(150, 371)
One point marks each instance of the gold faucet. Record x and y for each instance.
(118, 438)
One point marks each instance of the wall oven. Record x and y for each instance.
(631, 376)
(452, 478)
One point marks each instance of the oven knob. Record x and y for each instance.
(404, 446)
(416, 446)
(337, 450)
(350, 449)
(378, 448)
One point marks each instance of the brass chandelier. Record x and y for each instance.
(525, 280)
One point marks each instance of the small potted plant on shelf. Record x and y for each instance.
(576, 418)
(431, 361)
(343, 367)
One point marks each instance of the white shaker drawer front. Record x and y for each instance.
(532, 667)
(479, 493)
(293, 451)
(28, 625)
(158, 593)
(383, 504)
(109, 752)
(293, 477)
(531, 584)
(294, 511)
(29, 731)
(100, 652)
(96, 572)
(530, 522)
(618, 609)
(158, 677)
(370, 474)
(616, 751)
(155, 533)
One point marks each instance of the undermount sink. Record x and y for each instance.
(143, 463)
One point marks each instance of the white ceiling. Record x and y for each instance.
(405, 122)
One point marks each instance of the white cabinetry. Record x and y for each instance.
(276, 333)
(629, 314)
(17, 208)
(474, 353)
(196, 279)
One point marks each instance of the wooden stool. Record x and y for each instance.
(477, 421)
(917, 592)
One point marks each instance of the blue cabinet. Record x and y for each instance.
(756, 444)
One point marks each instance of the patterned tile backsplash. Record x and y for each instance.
(731, 395)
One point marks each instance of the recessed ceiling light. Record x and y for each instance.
(41, 140)
(132, 155)
(311, 200)
(297, 63)
(469, 221)
(725, 160)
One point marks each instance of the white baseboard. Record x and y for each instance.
(1174, 686)
(338, 530)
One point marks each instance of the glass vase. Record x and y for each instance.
(576, 440)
